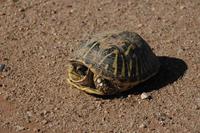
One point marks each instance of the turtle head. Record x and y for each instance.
(81, 77)
(78, 73)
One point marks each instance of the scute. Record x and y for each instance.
(124, 56)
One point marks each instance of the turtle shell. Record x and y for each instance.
(123, 56)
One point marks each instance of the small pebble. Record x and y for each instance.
(71, 11)
(56, 108)
(182, 7)
(44, 122)
(106, 112)
(145, 96)
(162, 123)
(21, 9)
(179, 51)
(140, 25)
(99, 9)
(43, 57)
(36, 130)
(44, 112)
(19, 128)
(143, 125)
(29, 113)
(121, 115)
(2, 66)
(104, 119)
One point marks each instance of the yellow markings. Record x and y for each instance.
(130, 63)
(86, 89)
(123, 73)
(90, 49)
(131, 46)
(104, 58)
(130, 66)
(128, 50)
(115, 62)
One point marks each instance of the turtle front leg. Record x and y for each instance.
(104, 86)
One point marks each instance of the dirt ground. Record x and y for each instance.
(36, 38)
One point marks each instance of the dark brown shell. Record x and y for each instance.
(124, 56)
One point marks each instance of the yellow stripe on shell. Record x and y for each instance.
(123, 72)
(130, 66)
(115, 62)
(90, 49)
(105, 58)
(130, 63)
(131, 46)
(128, 50)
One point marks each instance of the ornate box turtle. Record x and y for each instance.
(112, 62)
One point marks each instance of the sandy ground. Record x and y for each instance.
(36, 38)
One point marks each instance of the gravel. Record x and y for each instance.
(34, 78)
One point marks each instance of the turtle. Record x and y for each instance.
(111, 62)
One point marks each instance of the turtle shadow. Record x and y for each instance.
(171, 69)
